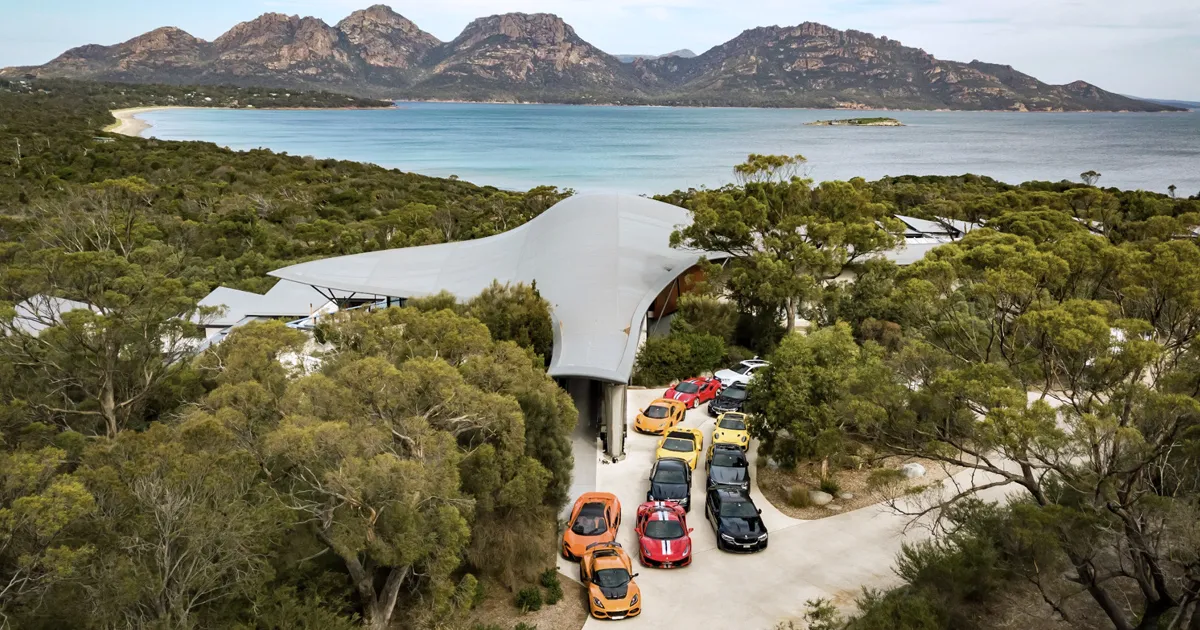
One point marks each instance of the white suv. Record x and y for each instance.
(742, 373)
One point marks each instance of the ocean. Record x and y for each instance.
(651, 150)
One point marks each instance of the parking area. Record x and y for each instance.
(832, 557)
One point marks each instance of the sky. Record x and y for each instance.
(1148, 48)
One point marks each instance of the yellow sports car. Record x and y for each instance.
(682, 443)
(659, 416)
(731, 429)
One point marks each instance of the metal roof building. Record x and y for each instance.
(599, 260)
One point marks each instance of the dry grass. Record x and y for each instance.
(497, 609)
(788, 490)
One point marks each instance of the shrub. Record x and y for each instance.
(736, 354)
(797, 496)
(831, 485)
(676, 357)
(554, 593)
(529, 599)
(550, 580)
(884, 477)
(479, 595)
(524, 626)
(706, 314)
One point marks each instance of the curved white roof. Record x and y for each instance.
(600, 260)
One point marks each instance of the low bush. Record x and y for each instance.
(798, 497)
(884, 477)
(529, 599)
(830, 485)
(524, 626)
(553, 585)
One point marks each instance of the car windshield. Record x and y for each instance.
(734, 393)
(741, 369)
(657, 412)
(687, 387)
(730, 460)
(590, 521)
(679, 445)
(732, 424)
(669, 475)
(738, 509)
(611, 578)
(664, 530)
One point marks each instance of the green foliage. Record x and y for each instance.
(677, 356)
(706, 314)
(521, 625)
(516, 313)
(821, 614)
(830, 485)
(529, 599)
(785, 236)
(818, 387)
(553, 585)
(798, 496)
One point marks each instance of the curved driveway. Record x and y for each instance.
(834, 557)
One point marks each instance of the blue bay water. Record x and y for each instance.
(650, 150)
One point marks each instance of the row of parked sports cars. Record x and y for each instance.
(664, 537)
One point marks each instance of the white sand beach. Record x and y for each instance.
(128, 124)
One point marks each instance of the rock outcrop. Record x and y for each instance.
(538, 57)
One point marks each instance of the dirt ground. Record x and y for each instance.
(498, 611)
(776, 485)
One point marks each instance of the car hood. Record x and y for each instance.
(668, 491)
(666, 550)
(624, 592)
(742, 527)
(728, 474)
(727, 403)
(726, 375)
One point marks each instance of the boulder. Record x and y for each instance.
(912, 471)
(845, 496)
(771, 463)
(819, 498)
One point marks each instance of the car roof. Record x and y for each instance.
(730, 449)
(607, 559)
(592, 509)
(733, 494)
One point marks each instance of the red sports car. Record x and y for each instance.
(694, 391)
(663, 535)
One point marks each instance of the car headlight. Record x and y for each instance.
(596, 600)
(716, 435)
(743, 438)
(683, 501)
(726, 537)
(745, 485)
(632, 602)
(762, 538)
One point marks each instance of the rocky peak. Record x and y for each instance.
(538, 29)
(385, 38)
(165, 38)
(265, 30)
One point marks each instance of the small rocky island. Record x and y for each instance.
(858, 122)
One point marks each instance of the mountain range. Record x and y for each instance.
(540, 58)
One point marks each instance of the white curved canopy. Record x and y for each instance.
(600, 260)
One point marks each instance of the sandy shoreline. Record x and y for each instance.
(128, 124)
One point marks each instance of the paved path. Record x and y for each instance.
(833, 557)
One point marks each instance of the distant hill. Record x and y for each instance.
(684, 53)
(538, 57)
(1193, 105)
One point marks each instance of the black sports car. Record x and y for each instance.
(732, 398)
(671, 480)
(727, 466)
(735, 520)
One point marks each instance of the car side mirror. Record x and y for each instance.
(760, 511)
(691, 529)
(634, 575)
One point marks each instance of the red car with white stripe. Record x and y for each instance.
(694, 391)
(663, 535)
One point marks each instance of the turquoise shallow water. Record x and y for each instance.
(654, 150)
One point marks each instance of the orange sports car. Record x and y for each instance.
(594, 519)
(608, 575)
